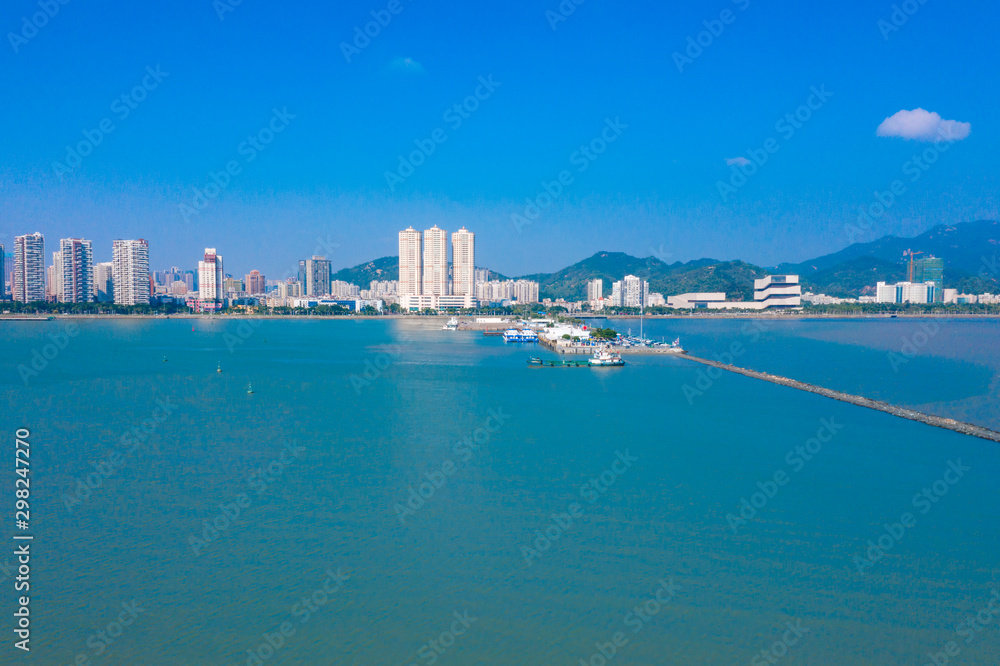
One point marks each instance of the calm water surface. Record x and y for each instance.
(381, 407)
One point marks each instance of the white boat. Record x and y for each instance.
(452, 325)
(517, 335)
(604, 357)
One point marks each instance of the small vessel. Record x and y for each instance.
(536, 362)
(675, 346)
(219, 369)
(518, 335)
(606, 358)
(452, 325)
(250, 388)
(164, 359)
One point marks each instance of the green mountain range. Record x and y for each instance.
(971, 253)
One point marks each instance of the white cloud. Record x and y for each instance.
(737, 161)
(923, 125)
(406, 65)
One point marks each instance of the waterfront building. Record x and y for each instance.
(411, 272)
(233, 286)
(53, 282)
(255, 283)
(75, 271)
(778, 291)
(29, 268)
(102, 282)
(632, 292)
(130, 271)
(595, 290)
(344, 290)
(463, 245)
(616, 299)
(929, 269)
(3, 273)
(526, 291)
(211, 278)
(435, 281)
(379, 288)
(314, 276)
(290, 288)
(698, 301)
(907, 292)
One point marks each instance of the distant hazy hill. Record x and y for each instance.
(733, 277)
(853, 278)
(962, 247)
(386, 268)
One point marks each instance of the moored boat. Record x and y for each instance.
(606, 358)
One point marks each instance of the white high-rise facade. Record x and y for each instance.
(103, 282)
(463, 258)
(130, 271)
(595, 290)
(211, 278)
(29, 268)
(75, 271)
(53, 282)
(411, 272)
(634, 292)
(435, 262)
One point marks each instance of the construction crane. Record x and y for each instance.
(911, 253)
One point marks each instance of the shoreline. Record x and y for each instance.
(771, 317)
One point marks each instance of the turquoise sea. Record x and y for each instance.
(391, 493)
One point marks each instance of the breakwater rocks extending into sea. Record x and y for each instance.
(913, 415)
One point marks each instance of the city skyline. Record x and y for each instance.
(274, 153)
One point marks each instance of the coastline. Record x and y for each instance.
(772, 317)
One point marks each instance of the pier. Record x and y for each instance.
(624, 351)
(860, 401)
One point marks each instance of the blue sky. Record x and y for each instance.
(321, 181)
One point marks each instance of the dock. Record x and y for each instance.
(911, 414)
(624, 351)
